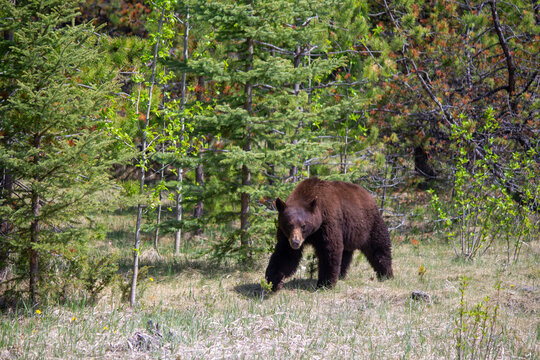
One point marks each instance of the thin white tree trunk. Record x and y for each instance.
(160, 193)
(178, 233)
(142, 179)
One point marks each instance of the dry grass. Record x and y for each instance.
(190, 309)
(196, 311)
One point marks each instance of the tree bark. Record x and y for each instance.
(160, 194)
(6, 188)
(34, 234)
(511, 87)
(421, 164)
(178, 233)
(142, 179)
(199, 171)
(246, 173)
(297, 58)
(6, 183)
(34, 255)
(198, 211)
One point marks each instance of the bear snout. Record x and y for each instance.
(296, 239)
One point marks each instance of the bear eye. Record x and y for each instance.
(303, 227)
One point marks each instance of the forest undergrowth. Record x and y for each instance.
(438, 306)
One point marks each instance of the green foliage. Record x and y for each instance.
(277, 91)
(483, 210)
(301, 104)
(312, 265)
(52, 144)
(266, 288)
(478, 330)
(143, 281)
(98, 274)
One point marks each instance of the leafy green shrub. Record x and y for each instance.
(143, 279)
(484, 206)
(478, 331)
(97, 274)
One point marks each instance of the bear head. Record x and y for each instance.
(298, 221)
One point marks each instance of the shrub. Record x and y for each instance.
(486, 204)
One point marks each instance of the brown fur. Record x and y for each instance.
(336, 218)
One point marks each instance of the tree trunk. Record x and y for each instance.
(160, 197)
(34, 255)
(6, 187)
(8, 35)
(136, 249)
(344, 156)
(178, 233)
(34, 234)
(161, 173)
(244, 210)
(246, 173)
(511, 88)
(198, 211)
(136, 253)
(271, 166)
(293, 173)
(158, 218)
(199, 171)
(421, 165)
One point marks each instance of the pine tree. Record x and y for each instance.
(51, 143)
(262, 124)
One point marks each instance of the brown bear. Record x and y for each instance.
(336, 218)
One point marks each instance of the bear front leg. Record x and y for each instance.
(283, 262)
(330, 255)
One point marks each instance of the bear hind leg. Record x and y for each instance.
(379, 251)
(381, 261)
(380, 258)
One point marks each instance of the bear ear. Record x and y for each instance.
(313, 204)
(280, 205)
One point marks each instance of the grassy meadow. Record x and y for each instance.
(192, 309)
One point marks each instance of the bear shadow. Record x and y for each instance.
(255, 291)
(301, 284)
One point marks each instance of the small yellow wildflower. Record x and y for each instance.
(105, 328)
(73, 319)
(38, 311)
(151, 279)
(511, 285)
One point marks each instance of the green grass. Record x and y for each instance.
(192, 310)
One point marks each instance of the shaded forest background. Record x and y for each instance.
(199, 114)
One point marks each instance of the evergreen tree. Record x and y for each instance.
(51, 141)
(262, 124)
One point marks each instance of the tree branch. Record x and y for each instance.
(446, 115)
(511, 88)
